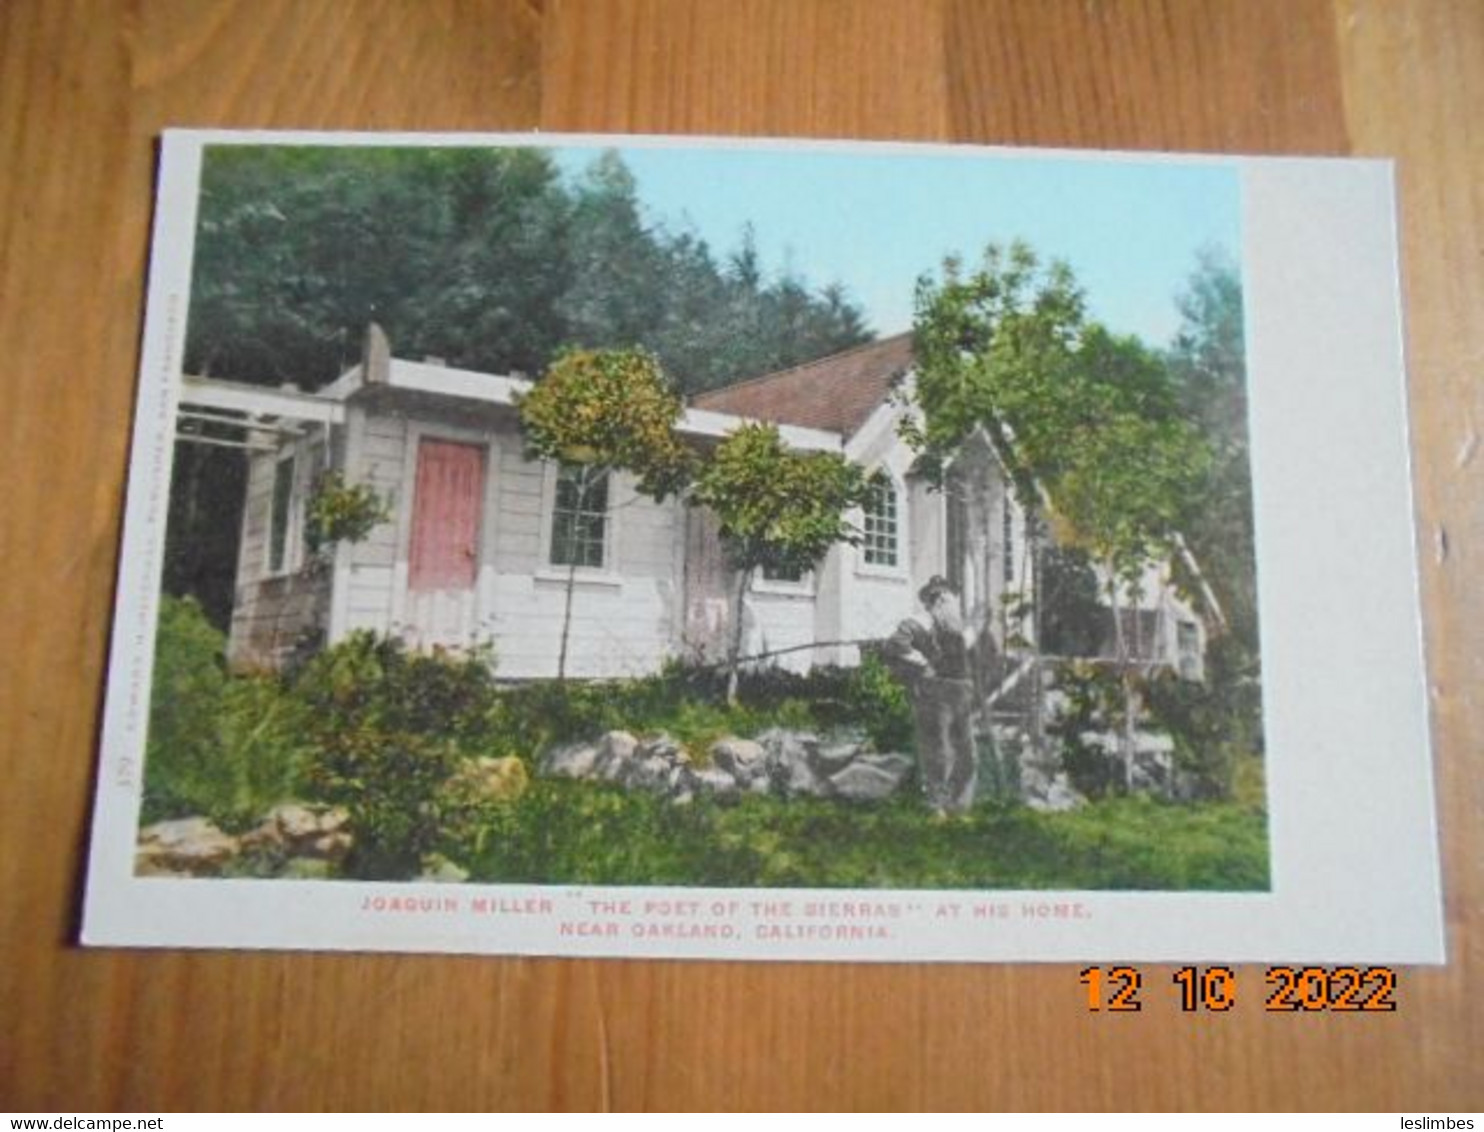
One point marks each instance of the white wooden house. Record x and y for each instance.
(481, 540)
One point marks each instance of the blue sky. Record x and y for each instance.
(873, 221)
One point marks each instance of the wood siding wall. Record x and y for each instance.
(275, 613)
(624, 618)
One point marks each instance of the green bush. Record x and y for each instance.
(391, 784)
(877, 703)
(1216, 724)
(1094, 702)
(368, 681)
(184, 702)
(228, 748)
(390, 730)
(687, 704)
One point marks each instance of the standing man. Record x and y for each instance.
(932, 655)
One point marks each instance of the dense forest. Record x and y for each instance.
(490, 259)
(487, 258)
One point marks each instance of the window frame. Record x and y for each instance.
(899, 520)
(802, 586)
(291, 560)
(607, 571)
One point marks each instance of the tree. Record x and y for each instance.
(1208, 363)
(778, 509)
(1127, 488)
(605, 411)
(618, 290)
(462, 253)
(1086, 421)
(994, 350)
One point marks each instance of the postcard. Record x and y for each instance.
(692, 548)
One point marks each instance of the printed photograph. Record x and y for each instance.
(740, 518)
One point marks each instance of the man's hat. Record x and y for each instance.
(936, 586)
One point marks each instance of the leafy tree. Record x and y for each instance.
(1208, 363)
(692, 336)
(460, 253)
(479, 256)
(1078, 413)
(618, 291)
(994, 350)
(604, 411)
(777, 508)
(499, 266)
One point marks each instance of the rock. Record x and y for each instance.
(651, 774)
(184, 847)
(1035, 780)
(661, 747)
(1044, 786)
(790, 761)
(743, 759)
(614, 752)
(297, 830)
(334, 847)
(1057, 797)
(870, 778)
(494, 780)
(716, 782)
(658, 764)
(301, 823)
(571, 760)
(827, 758)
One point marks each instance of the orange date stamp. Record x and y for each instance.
(1286, 989)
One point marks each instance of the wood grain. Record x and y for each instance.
(85, 88)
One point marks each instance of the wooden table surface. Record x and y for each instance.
(85, 87)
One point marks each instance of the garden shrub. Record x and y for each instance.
(369, 681)
(227, 748)
(1093, 702)
(1216, 725)
(391, 784)
(879, 704)
(391, 729)
(688, 704)
(184, 702)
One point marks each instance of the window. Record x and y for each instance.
(880, 543)
(579, 516)
(956, 540)
(778, 573)
(1188, 645)
(283, 506)
(1007, 540)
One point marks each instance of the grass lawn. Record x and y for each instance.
(574, 832)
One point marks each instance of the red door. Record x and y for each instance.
(444, 556)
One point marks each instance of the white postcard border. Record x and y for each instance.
(1353, 842)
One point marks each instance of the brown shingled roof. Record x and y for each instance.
(836, 393)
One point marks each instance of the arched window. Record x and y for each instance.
(880, 544)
